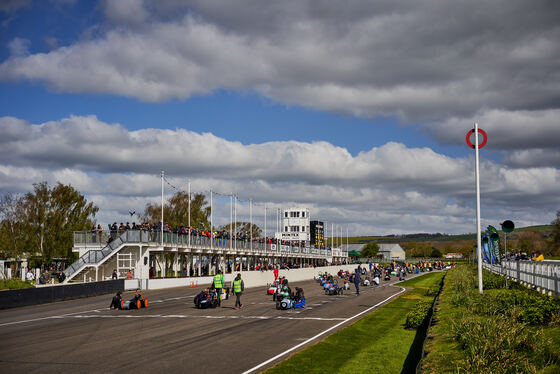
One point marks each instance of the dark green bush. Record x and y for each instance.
(14, 284)
(416, 317)
(522, 305)
(493, 281)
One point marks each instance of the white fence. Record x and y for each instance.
(543, 276)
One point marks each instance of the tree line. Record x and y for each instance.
(41, 222)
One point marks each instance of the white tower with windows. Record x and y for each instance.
(295, 225)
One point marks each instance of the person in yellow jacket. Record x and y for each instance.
(540, 257)
(238, 287)
(218, 284)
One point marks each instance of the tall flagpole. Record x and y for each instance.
(230, 220)
(235, 219)
(211, 222)
(162, 176)
(189, 219)
(251, 222)
(478, 234)
(265, 224)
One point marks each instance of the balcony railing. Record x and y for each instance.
(193, 241)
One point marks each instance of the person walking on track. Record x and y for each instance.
(238, 288)
(218, 284)
(357, 279)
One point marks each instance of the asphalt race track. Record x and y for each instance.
(171, 335)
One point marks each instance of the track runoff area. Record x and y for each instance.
(172, 335)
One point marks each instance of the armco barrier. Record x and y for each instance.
(49, 294)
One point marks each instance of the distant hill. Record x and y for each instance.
(545, 231)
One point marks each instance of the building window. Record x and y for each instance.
(286, 228)
(286, 214)
(302, 228)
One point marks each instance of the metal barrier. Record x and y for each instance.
(49, 294)
(544, 276)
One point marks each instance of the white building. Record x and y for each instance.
(392, 252)
(295, 225)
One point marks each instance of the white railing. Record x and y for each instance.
(199, 242)
(544, 276)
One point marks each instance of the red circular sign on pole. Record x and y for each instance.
(484, 136)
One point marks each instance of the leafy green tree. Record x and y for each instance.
(176, 211)
(435, 253)
(12, 235)
(371, 249)
(530, 241)
(244, 228)
(50, 217)
(554, 246)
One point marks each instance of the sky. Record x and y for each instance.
(357, 110)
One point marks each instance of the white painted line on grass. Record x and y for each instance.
(321, 333)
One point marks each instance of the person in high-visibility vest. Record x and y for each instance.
(218, 284)
(238, 287)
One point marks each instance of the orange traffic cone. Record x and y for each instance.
(196, 283)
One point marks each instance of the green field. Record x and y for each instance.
(376, 343)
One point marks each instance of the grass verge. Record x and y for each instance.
(508, 329)
(14, 284)
(376, 343)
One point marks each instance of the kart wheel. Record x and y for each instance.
(138, 304)
(284, 305)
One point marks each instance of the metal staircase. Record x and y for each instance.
(95, 257)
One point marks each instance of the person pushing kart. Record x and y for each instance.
(218, 284)
(116, 302)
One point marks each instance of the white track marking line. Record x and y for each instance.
(98, 310)
(106, 316)
(313, 318)
(50, 317)
(321, 333)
